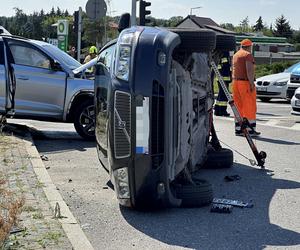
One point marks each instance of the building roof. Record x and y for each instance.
(203, 23)
(263, 39)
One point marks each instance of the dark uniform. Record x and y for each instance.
(225, 70)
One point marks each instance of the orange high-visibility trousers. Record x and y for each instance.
(245, 100)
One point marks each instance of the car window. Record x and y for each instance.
(61, 56)
(29, 56)
(106, 56)
(294, 66)
(1, 53)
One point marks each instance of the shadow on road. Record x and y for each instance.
(276, 141)
(248, 228)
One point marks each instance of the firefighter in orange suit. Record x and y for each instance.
(244, 91)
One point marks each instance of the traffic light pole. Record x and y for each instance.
(79, 34)
(133, 12)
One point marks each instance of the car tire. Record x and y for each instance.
(225, 43)
(217, 159)
(265, 99)
(84, 120)
(197, 194)
(196, 41)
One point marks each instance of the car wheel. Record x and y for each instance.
(216, 159)
(225, 43)
(265, 99)
(197, 194)
(196, 41)
(84, 120)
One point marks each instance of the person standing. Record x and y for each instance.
(92, 54)
(244, 91)
(225, 70)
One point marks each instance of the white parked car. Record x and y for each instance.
(275, 85)
(296, 102)
(293, 83)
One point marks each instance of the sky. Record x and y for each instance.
(221, 11)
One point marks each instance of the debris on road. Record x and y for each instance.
(220, 208)
(44, 158)
(70, 180)
(235, 203)
(232, 177)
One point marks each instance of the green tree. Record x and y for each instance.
(228, 26)
(259, 26)
(244, 26)
(283, 28)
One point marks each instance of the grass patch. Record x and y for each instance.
(38, 216)
(29, 209)
(49, 237)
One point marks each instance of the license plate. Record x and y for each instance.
(297, 103)
(262, 88)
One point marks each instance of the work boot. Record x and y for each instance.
(239, 133)
(254, 133)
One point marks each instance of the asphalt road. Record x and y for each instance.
(273, 222)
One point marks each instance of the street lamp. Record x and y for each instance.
(194, 8)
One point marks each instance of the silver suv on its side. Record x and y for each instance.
(38, 81)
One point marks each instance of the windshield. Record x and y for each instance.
(294, 66)
(61, 56)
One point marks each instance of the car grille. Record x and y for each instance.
(290, 92)
(258, 92)
(296, 109)
(122, 125)
(157, 125)
(295, 79)
(261, 83)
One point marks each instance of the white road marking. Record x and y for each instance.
(270, 123)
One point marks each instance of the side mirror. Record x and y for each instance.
(124, 22)
(56, 66)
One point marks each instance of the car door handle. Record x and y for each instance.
(23, 78)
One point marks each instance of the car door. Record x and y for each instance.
(102, 86)
(7, 81)
(40, 89)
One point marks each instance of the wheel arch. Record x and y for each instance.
(75, 101)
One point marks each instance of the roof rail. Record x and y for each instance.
(13, 36)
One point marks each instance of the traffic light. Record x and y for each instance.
(76, 21)
(144, 12)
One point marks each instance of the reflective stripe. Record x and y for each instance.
(219, 67)
(226, 78)
(224, 60)
(221, 103)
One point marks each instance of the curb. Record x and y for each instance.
(69, 224)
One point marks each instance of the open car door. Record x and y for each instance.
(10, 81)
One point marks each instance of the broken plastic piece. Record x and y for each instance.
(235, 203)
(220, 208)
(232, 177)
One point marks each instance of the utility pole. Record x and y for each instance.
(79, 34)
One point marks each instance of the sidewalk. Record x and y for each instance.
(37, 227)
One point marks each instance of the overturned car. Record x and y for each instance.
(154, 99)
